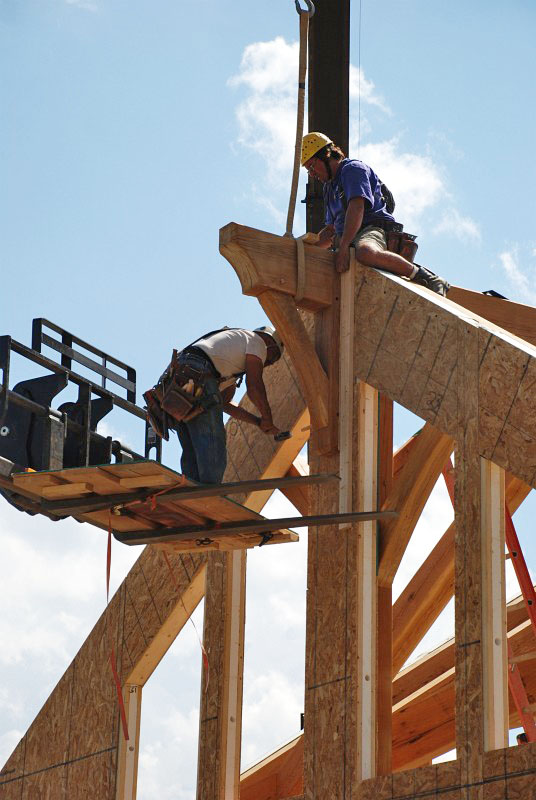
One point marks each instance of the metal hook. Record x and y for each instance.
(310, 7)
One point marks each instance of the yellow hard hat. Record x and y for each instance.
(312, 143)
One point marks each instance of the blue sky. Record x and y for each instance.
(130, 133)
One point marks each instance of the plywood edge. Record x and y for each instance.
(186, 603)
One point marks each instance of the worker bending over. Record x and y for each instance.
(357, 212)
(197, 388)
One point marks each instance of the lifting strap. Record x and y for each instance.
(304, 15)
(300, 278)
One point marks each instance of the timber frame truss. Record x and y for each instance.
(355, 344)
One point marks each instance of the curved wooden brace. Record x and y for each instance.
(313, 380)
(266, 261)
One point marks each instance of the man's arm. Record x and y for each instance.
(235, 411)
(257, 393)
(352, 223)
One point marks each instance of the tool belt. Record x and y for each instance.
(180, 395)
(402, 243)
(398, 241)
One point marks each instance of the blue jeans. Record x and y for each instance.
(204, 451)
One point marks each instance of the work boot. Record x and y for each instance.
(425, 277)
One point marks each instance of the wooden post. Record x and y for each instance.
(479, 580)
(220, 723)
(384, 691)
(494, 640)
(365, 475)
(127, 768)
(340, 683)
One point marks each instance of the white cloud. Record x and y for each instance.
(463, 228)
(359, 84)
(520, 278)
(267, 116)
(267, 124)
(415, 180)
(271, 703)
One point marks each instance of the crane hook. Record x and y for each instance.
(310, 8)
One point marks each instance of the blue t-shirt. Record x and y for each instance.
(353, 179)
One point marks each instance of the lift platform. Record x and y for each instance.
(143, 502)
(146, 498)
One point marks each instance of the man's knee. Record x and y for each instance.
(368, 254)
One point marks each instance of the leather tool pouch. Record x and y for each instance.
(178, 394)
(402, 243)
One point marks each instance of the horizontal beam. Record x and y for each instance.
(264, 261)
(516, 318)
(101, 503)
(169, 535)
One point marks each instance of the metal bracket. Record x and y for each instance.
(310, 8)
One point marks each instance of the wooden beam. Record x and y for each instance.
(432, 586)
(366, 494)
(127, 766)
(431, 665)
(384, 689)
(264, 261)
(313, 379)
(220, 724)
(516, 318)
(344, 382)
(409, 495)
(279, 775)
(495, 656)
(148, 660)
(299, 496)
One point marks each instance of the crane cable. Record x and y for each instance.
(304, 15)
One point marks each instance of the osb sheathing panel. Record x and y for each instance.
(92, 778)
(51, 785)
(508, 774)
(10, 786)
(210, 720)
(47, 741)
(468, 564)
(93, 718)
(407, 347)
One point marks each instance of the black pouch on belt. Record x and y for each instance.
(402, 243)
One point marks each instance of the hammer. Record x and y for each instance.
(282, 435)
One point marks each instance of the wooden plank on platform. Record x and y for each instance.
(63, 490)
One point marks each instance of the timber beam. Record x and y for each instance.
(264, 261)
(408, 496)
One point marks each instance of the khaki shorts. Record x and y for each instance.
(369, 235)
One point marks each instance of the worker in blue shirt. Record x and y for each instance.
(357, 213)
